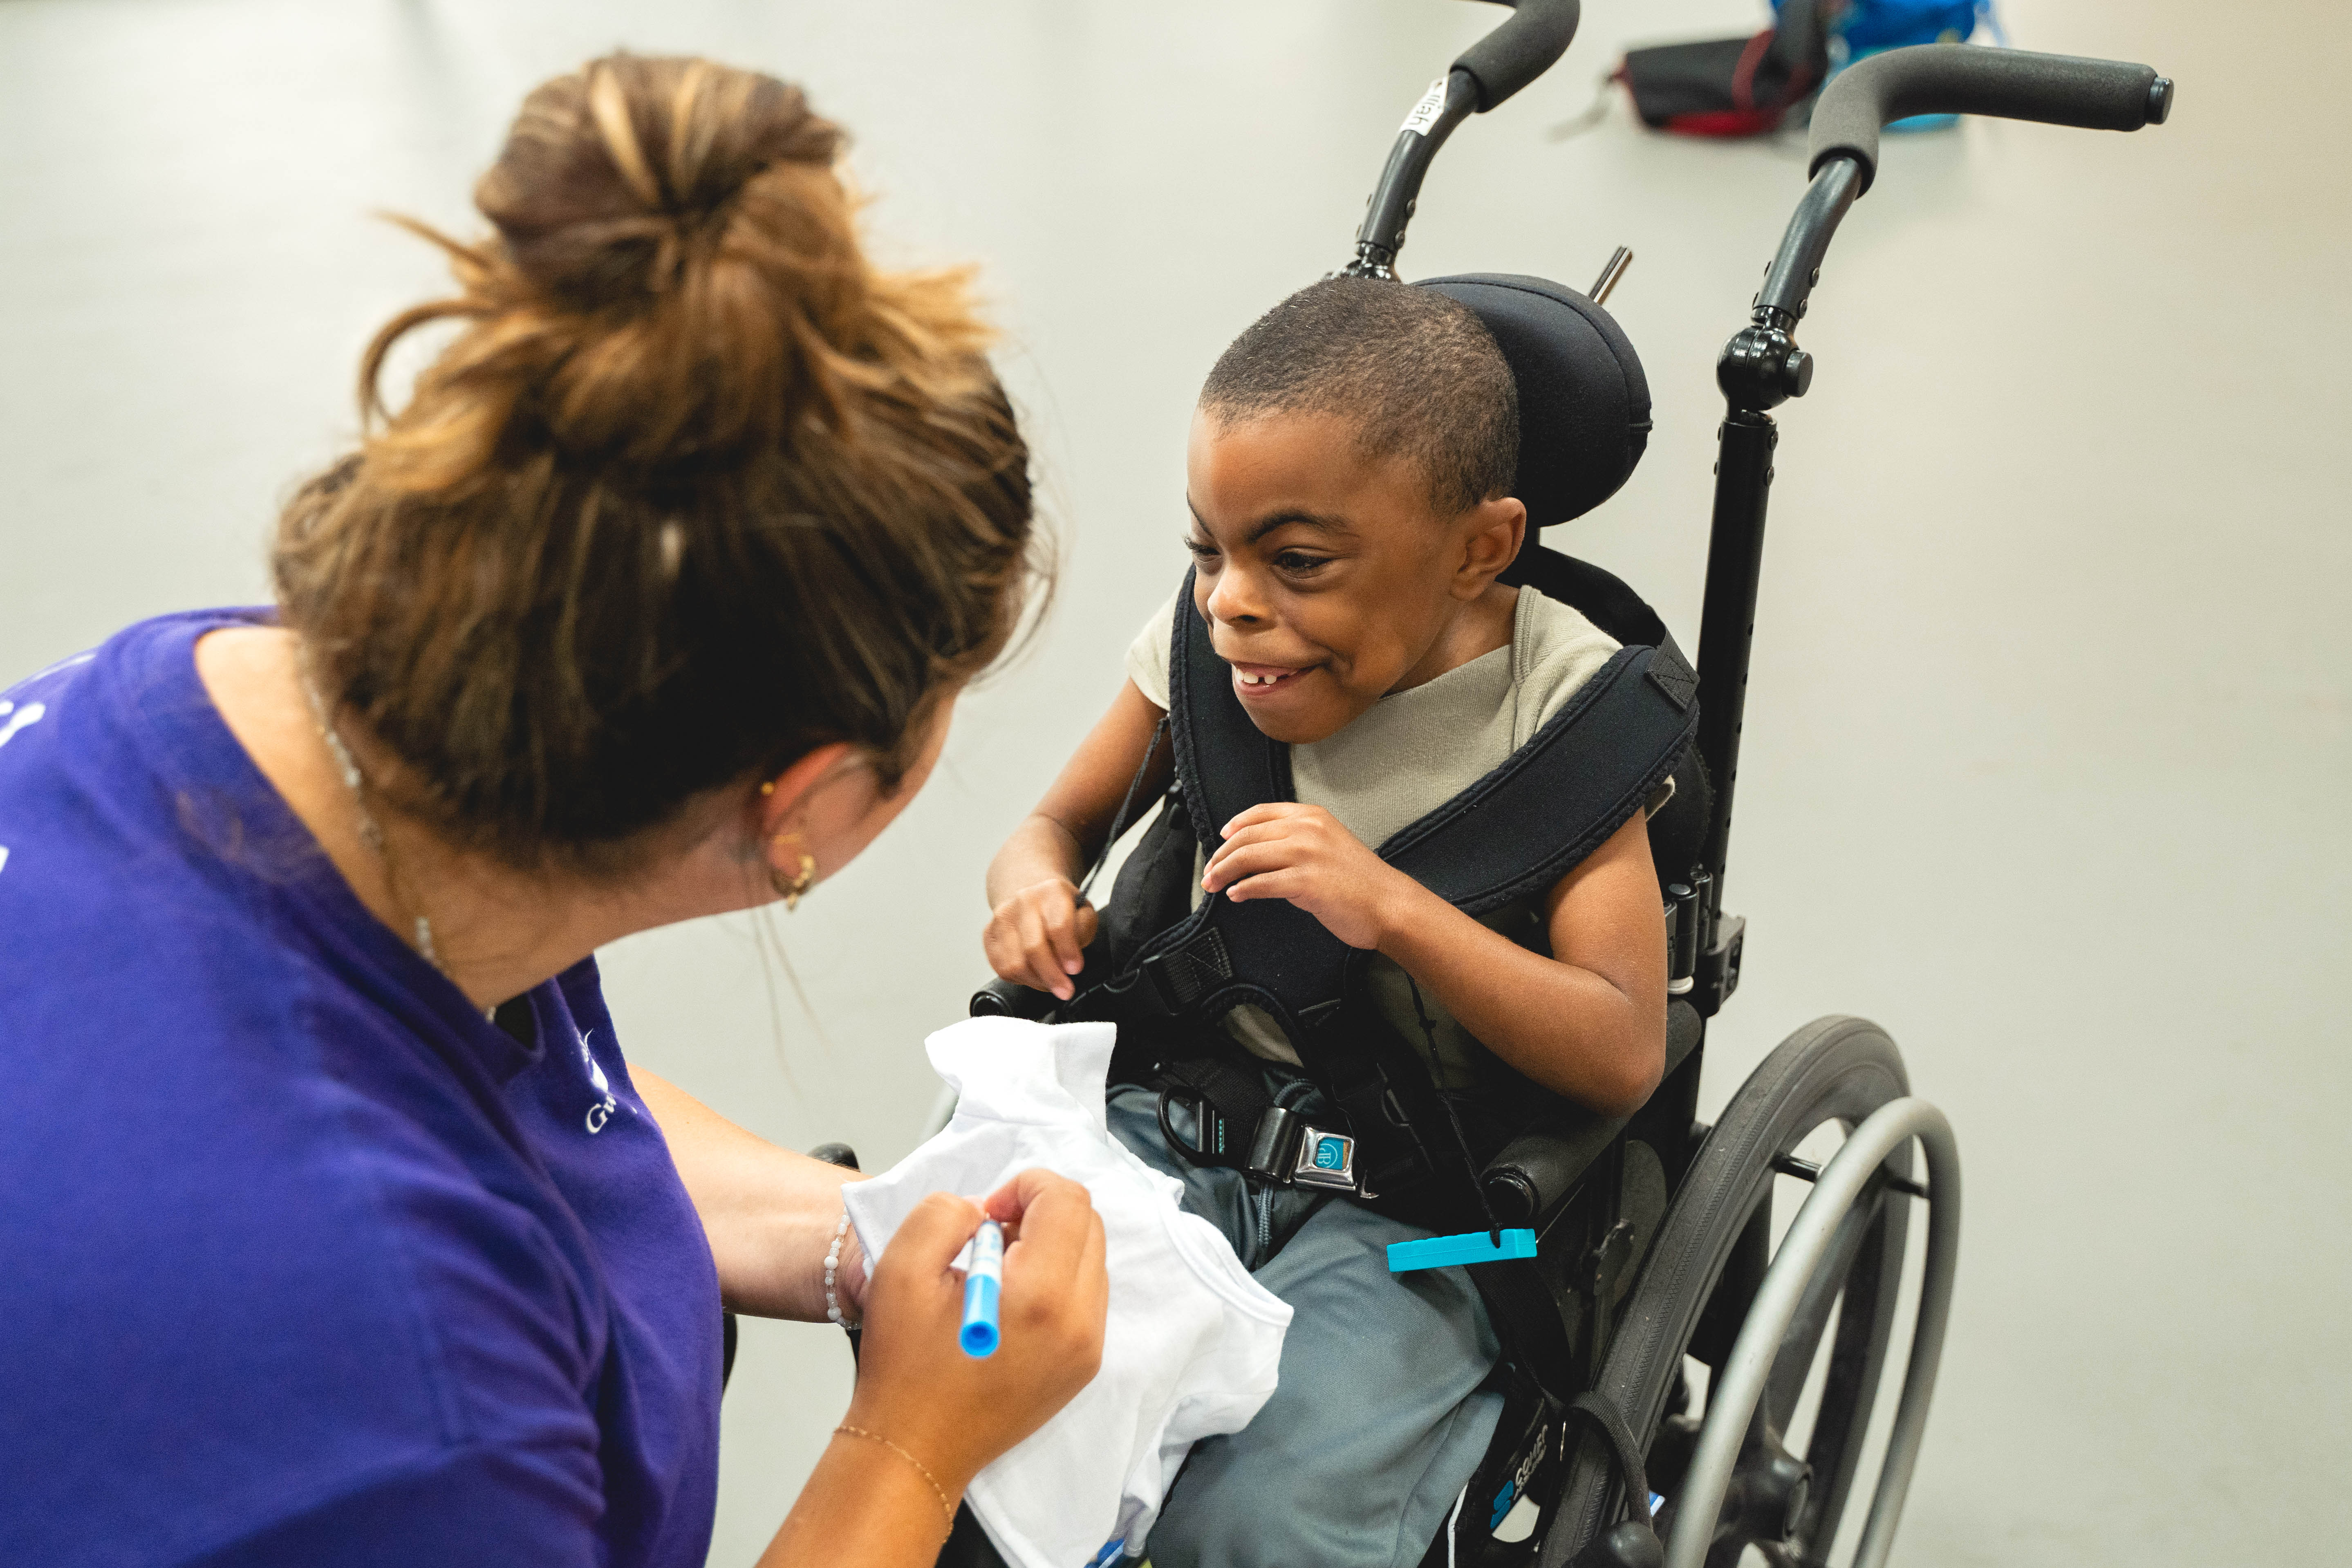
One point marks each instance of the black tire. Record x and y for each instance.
(1838, 1070)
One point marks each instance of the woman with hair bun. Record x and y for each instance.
(337, 1229)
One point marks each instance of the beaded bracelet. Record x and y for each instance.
(832, 1267)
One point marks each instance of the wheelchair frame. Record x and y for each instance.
(1655, 1241)
(1630, 1296)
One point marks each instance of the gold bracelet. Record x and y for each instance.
(937, 1490)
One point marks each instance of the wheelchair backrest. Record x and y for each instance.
(1584, 404)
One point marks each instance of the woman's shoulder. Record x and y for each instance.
(229, 1118)
(210, 1207)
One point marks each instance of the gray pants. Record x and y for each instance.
(1377, 1420)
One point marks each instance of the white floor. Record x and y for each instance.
(2047, 746)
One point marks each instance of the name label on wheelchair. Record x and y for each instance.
(1424, 113)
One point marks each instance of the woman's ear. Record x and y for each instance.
(1496, 530)
(779, 800)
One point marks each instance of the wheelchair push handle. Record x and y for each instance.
(1961, 79)
(1521, 50)
(1926, 78)
(1483, 76)
(1762, 367)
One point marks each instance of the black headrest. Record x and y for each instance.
(1584, 405)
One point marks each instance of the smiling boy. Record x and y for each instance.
(1348, 478)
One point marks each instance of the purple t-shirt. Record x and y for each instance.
(302, 1259)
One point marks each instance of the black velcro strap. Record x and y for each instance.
(1602, 1411)
(1670, 672)
(1229, 1102)
(1514, 833)
(1224, 763)
(1555, 800)
(1190, 970)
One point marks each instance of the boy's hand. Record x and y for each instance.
(1285, 850)
(1035, 937)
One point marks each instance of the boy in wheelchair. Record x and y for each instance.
(1348, 665)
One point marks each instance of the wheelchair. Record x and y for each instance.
(1684, 1381)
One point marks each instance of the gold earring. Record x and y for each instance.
(803, 880)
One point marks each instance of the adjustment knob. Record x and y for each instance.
(1797, 375)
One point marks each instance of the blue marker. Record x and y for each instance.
(984, 1278)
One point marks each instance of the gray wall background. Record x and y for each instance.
(2047, 747)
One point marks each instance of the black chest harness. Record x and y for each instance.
(1408, 1147)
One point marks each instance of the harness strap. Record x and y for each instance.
(1602, 1411)
(1512, 834)
(1124, 818)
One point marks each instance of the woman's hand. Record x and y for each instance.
(1285, 850)
(1036, 936)
(914, 1385)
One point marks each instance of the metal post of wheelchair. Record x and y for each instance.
(1732, 1398)
(1488, 72)
(1761, 368)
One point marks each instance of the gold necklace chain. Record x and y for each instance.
(371, 832)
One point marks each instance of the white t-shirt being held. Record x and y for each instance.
(1192, 1345)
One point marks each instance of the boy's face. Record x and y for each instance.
(1327, 577)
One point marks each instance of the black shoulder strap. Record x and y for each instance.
(1519, 829)
(1224, 763)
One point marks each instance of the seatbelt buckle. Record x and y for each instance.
(1325, 1160)
(1283, 1150)
(1290, 1152)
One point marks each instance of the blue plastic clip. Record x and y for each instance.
(1470, 1246)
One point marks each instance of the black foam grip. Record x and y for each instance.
(1005, 999)
(1521, 50)
(1964, 79)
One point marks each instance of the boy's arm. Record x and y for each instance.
(1036, 926)
(1589, 1022)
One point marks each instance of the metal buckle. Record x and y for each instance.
(1324, 1160)
(1283, 1150)
(1207, 1121)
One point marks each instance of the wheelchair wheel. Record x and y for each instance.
(1785, 1496)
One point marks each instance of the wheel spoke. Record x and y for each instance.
(1857, 1358)
(1794, 1362)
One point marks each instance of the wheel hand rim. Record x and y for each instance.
(1733, 1394)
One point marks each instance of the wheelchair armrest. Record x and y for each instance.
(1005, 999)
(1527, 1182)
(1535, 1170)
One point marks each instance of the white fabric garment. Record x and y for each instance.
(1192, 1345)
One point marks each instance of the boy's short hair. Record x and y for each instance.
(1419, 372)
